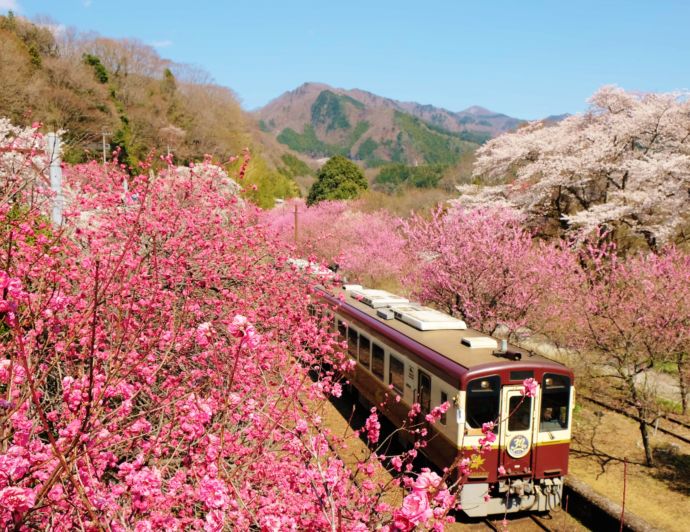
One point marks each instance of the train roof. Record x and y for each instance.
(457, 343)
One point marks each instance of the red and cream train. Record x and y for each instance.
(429, 357)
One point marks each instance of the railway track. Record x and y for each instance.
(626, 412)
(522, 523)
(677, 421)
(541, 522)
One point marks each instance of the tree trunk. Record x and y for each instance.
(649, 459)
(682, 382)
(642, 415)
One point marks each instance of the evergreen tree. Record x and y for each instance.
(338, 179)
(98, 68)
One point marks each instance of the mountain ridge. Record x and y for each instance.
(319, 120)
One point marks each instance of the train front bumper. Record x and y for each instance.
(519, 495)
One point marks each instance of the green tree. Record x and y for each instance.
(339, 178)
(169, 84)
(98, 68)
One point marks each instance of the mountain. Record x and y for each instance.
(320, 121)
(556, 118)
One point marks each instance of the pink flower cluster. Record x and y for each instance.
(429, 499)
(17, 500)
(489, 436)
(11, 294)
(529, 387)
(341, 232)
(241, 328)
(437, 412)
(372, 426)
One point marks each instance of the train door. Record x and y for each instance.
(517, 430)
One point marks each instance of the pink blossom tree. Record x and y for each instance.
(147, 380)
(482, 265)
(623, 317)
(367, 246)
(671, 281)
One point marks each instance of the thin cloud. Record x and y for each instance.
(87, 3)
(161, 44)
(9, 5)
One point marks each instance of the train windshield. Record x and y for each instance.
(555, 402)
(482, 401)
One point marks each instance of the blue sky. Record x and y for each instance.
(524, 58)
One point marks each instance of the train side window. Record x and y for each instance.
(396, 374)
(377, 360)
(352, 342)
(555, 402)
(483, 397)
(444, 399)
(364, 351)
(424, 393)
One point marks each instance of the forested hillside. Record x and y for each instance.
(123, 91)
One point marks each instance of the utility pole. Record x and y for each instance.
(53, 150)
(105, 134)
(295, 224)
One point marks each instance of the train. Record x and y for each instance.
(428, 357)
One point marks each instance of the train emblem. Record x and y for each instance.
(518, 446)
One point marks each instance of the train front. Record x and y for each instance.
(518, 462)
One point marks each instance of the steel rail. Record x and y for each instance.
(624, 412)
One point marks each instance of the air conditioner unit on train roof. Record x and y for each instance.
(427, 319)
(480, 342)
(376, 298)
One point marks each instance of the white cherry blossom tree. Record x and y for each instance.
(624, 164)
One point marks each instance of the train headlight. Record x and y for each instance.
(485, 385)
(548, 382)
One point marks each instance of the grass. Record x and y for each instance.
(669, 406)
(668, 367)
